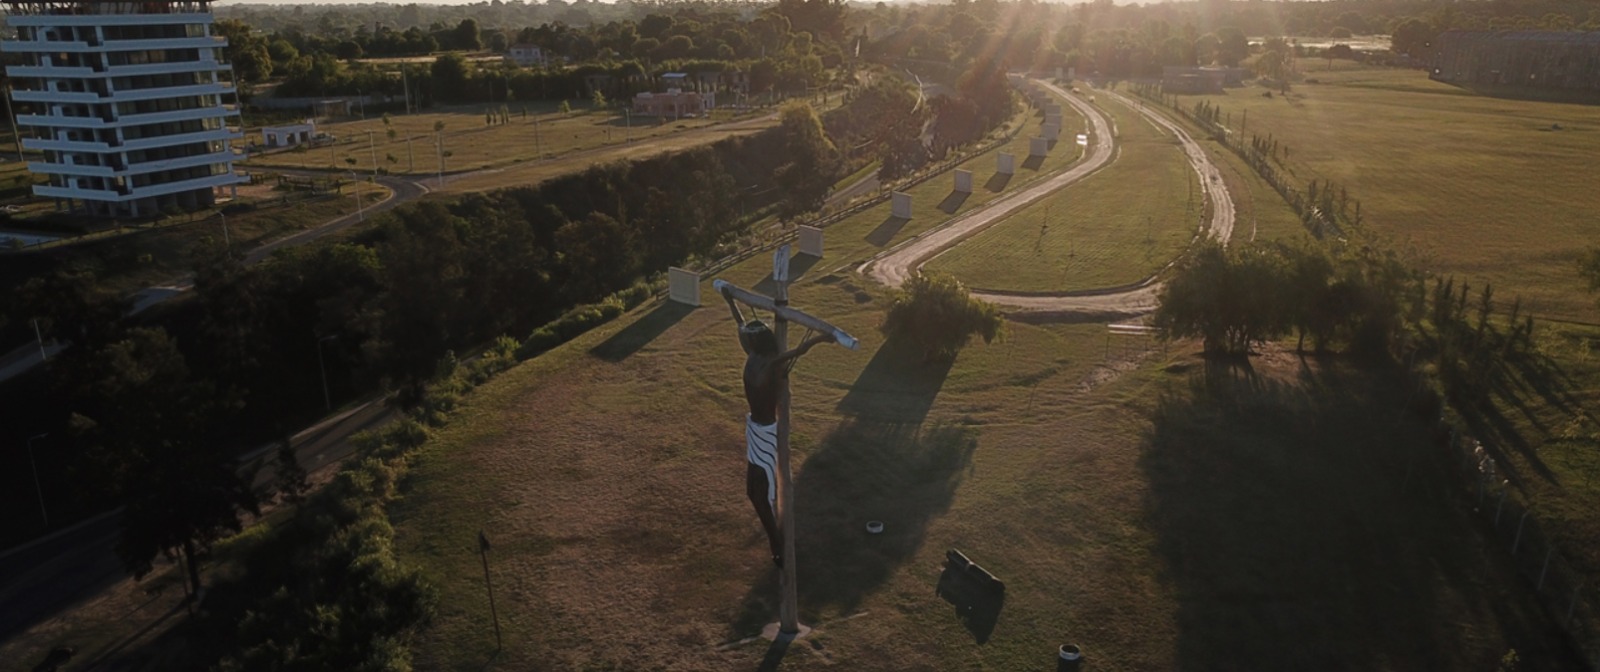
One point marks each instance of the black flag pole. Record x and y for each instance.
(483, 551)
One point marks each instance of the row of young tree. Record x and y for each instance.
(1359, 298)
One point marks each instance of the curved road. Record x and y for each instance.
(894, 266)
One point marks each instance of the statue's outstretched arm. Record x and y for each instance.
(733, 306)
(803, 348)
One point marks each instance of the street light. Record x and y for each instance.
(36, 486)
(355, 185)
(327, 399)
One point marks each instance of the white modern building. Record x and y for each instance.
(130, 102)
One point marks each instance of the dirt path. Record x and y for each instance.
(894, 266)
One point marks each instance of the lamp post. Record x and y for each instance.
(36, 486)
(355, 185)
(327, 399)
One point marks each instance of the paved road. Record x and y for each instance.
(46, 577)
(894, 266)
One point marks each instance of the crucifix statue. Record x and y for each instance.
(766, 389)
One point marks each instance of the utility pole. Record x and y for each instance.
(12, 117)
(438, 144)
(40, 338)
(537, 152)
(361, 213)
(373, 147)
(36, 486)
(411, 156)
(327, 399)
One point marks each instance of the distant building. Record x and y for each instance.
(1177, 79)
(1545, 64)
(130, 103)
(525, 55)
(674, 103)
(288, 136)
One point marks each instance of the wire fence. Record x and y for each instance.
(1563, 589)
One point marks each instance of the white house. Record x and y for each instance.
(525, 55)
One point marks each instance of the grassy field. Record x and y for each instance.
(472, 144)
(1167, 515)
(134, 259)
(1174, 514)
(1485, 188)
(1117, 226)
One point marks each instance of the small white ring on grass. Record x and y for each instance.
(874, 526)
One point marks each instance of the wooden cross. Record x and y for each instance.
(778, 304)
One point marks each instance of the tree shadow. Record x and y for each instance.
(881, 236)
(798, 265)
(880, 464)
(1267, 497)
(997, 182)
(1033, 162)
(635, 336)
(953, 202)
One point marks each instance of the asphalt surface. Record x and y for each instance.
(894, 266)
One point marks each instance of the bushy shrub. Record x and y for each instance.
(936, 313)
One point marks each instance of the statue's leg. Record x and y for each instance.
(757, 486)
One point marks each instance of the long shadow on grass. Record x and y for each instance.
(997, 182)
(879, 464)
(1292, 537)
(953, 202)
(1033, 162)
(798, 265)
(624, 343)
(881, 236)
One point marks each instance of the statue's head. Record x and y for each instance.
(758, 338)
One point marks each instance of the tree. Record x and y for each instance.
(808, 176)
(598, 100)
(1229, 297)
(246, 50)
(466, 35)
(937, 314)
(347, 50)
(1232, 46)
(450, 77)
(151, 429)
(1412, 37)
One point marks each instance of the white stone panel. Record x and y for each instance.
(963, 180)
(683, 286)
(810, 240)
(1038, 147)
(1007, 165)
(900, 205)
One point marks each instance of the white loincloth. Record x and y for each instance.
(761, 449)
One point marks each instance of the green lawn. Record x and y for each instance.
(1480, 187)
(1116, 226)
